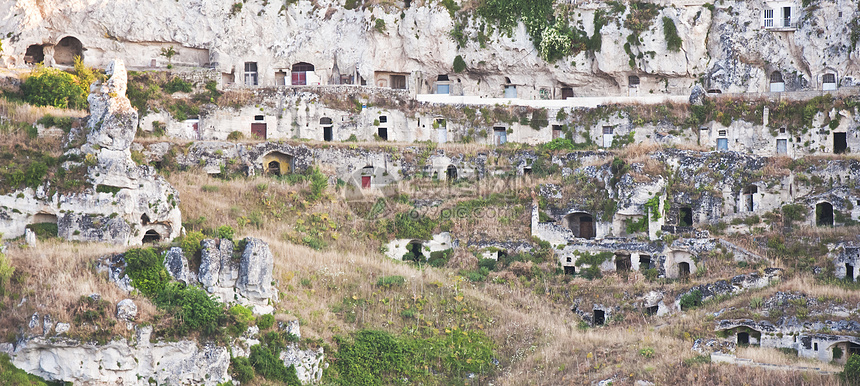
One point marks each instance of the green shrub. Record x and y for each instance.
(31, 175)
(176, 84)
(146, 270)
(64, 123)
(318, 184)
(851, 373)
(691, 300)
(235, 136)
(51, 87)
(44, 230)
(190, 244)
(489, 264)
(265, 322)
(241, 369)
(267, 364)
(225, 232)
(11, 375)
(410, 225)
(196, 310)
(108, 189)
(793, 212)
(459, 64)
(390, 281)
(670, 32)
(242, 314)
(374, 356)
(439, 258)
(379, 26)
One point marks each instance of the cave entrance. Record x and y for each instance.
(581, 224)
(849, 272)
(151, 236)
(651, 311)
(274, 168)
(599, 317)
(840, 143)
(35, 54)
(743, 339)
(451, 172)
(824, 214)
(685, 216)
(684, 270)
(644, 262)
(622, 263)
(569, 270)
(67, 49)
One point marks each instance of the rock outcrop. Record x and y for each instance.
(125, 203)
(121, 362)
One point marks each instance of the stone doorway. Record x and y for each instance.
(824, 214)
(151, 236)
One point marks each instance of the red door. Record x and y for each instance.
(258, 130)
(299, 78)
(365, 182)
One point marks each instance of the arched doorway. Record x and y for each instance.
(581, 224)
(66, 50)
(300, 73)
(151, 236)
(273, 168)
(452, 172)
(824, 214)
(683, 270)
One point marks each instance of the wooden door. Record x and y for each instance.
(258, 130)
(365, 182)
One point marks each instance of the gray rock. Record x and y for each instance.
(229, 267)
(177, 266)
(255, 271)
(62, 328)
(29, 237)
(291, 327)
(47, 324)
(126, 310)
(34, 321)
(309, 363)
(210, 264)
(697, 95)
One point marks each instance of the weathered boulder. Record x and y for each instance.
(126, 310)
(177, 266)
(697, 95)
(62, 328)
(309, 363)
(255, 271)
(30, 237)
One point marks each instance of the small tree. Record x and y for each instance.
(459, 64)
(52, 87)
(168, 53)
(851, 373)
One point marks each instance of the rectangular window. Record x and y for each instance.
(786, 17)
(768, 18)
(398, 82)
(383, 119)
(722, 133)
(251, 74)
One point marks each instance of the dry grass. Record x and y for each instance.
(776, 357)
(23, 112)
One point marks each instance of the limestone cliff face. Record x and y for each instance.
(732, 47)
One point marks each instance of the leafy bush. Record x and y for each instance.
(176, 84)
(235, 136)
(691, 300)
(439, 258)
(793, 212)
(372, 357)
(196, 310)
(225, 232)
(390, 281)
(265, 322)
(241, 369)
(44, 230)
(380, 26)
(31, 175)
(146, 270)
(10, 375)
(190, 244)
(410, 225)
(670, 32)
(851, 373)
(52, 87)
(459, 64)
(64, 123)
(318, 184)
(267, 364)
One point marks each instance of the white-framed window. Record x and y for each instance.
(768, 18)
(251, 74)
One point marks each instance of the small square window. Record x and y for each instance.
(782, 130)
(723, 133)
(383, 119)
(259, 118)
